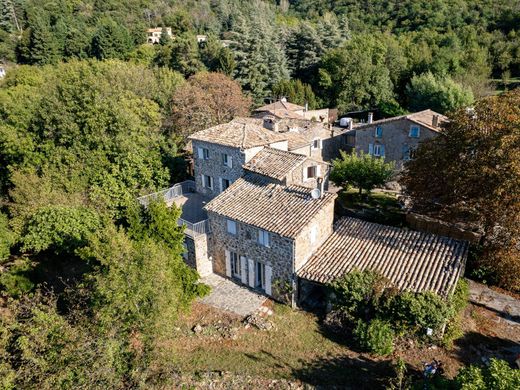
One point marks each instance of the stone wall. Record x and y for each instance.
(297, 176)
(395, 137)
(279, 255)
(304, 249)
(426, 224)
(196, 255)
(214, 166)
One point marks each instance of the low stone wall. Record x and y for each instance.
(430, 225)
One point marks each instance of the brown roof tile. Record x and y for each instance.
(284, 210)
(274, 163)
(423, 118)
(411, 260)
(240, 132)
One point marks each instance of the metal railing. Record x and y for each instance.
(169, 194)
(192, 229)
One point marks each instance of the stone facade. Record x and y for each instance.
(298, 175)
(214, 166)
(395, 137)
(279, 255)
(196, 254)
(323, 225)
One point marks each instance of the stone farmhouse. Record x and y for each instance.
(395, 139)
(259, 213)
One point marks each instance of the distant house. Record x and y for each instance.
(154, 34)
(2, 72)
(201, 38)
(282, 109)
(395, 139)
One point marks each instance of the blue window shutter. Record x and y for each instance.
(371, 149)
(382, 150)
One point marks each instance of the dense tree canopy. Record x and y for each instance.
(472, 174)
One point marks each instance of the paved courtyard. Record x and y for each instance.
(229, 296)
(192, 204)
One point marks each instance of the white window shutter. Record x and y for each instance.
(243, 267)
(230, 161)
(318, 171)
(228, 264)
(220, 184)
(251, 269)
(305, 173)
(371, 149)
(203, 182)
(382, 150)
(200, 153)
(268, 277)
(321, 143)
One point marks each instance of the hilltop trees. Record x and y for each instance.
(471, 174)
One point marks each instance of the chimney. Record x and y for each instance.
(350, 124)
(370, 117)
(283, 99)
(306, 107)
(270, 123)
(435, 121)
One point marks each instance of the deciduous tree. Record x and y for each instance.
(471, 174)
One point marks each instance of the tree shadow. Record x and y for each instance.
(477, 348)
(347, 372)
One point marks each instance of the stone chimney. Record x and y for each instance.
(435, 121)
(351, 124)
(320, 185)
(370, 117)
(270, 123)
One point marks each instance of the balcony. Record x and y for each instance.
(183, 195)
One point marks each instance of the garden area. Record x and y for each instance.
(302, 348)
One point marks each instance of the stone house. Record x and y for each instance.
(282, 109)
(262, 232)
(259, 213)
(221, 152)
(395, 139)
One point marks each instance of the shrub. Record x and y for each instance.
(358, 292)
(376, 337)
(16, 281)
(6, 238)
(498, 375)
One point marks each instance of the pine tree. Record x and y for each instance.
(6, 16)
(43, 44)
(304, 50)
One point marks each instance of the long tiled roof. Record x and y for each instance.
(411, 260)
(240, 132)
(423, 118)
(274, 163)
(284, 210)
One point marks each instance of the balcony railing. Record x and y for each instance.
(192, 229)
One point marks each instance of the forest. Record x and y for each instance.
(92, 116)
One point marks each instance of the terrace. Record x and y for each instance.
(184, 196)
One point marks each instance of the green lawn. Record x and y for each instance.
(380, 207)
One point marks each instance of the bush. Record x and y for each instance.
(6, 238)
(376, 337)
(498, 375)
(16, 281)
(358, 292)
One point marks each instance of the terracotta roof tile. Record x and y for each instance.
(423, 118)
(284, 210)
(274, 163)
(240, 132)
(411, 260)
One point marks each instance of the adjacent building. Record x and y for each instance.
(153, 35)
(282, 109)
(395, 139)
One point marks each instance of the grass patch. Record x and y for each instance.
(296, 349)
(380, 207)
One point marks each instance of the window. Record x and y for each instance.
(350, 140)
(207, 181)
(379, 132)
(227, 160)
(316, 143)
(231, 226)
(312, 172)
(235, 264)
(203, 153)
(314, 234)
(224, 184)
(376, 150)
(415, 131)
(260, 275)
(263, 237)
